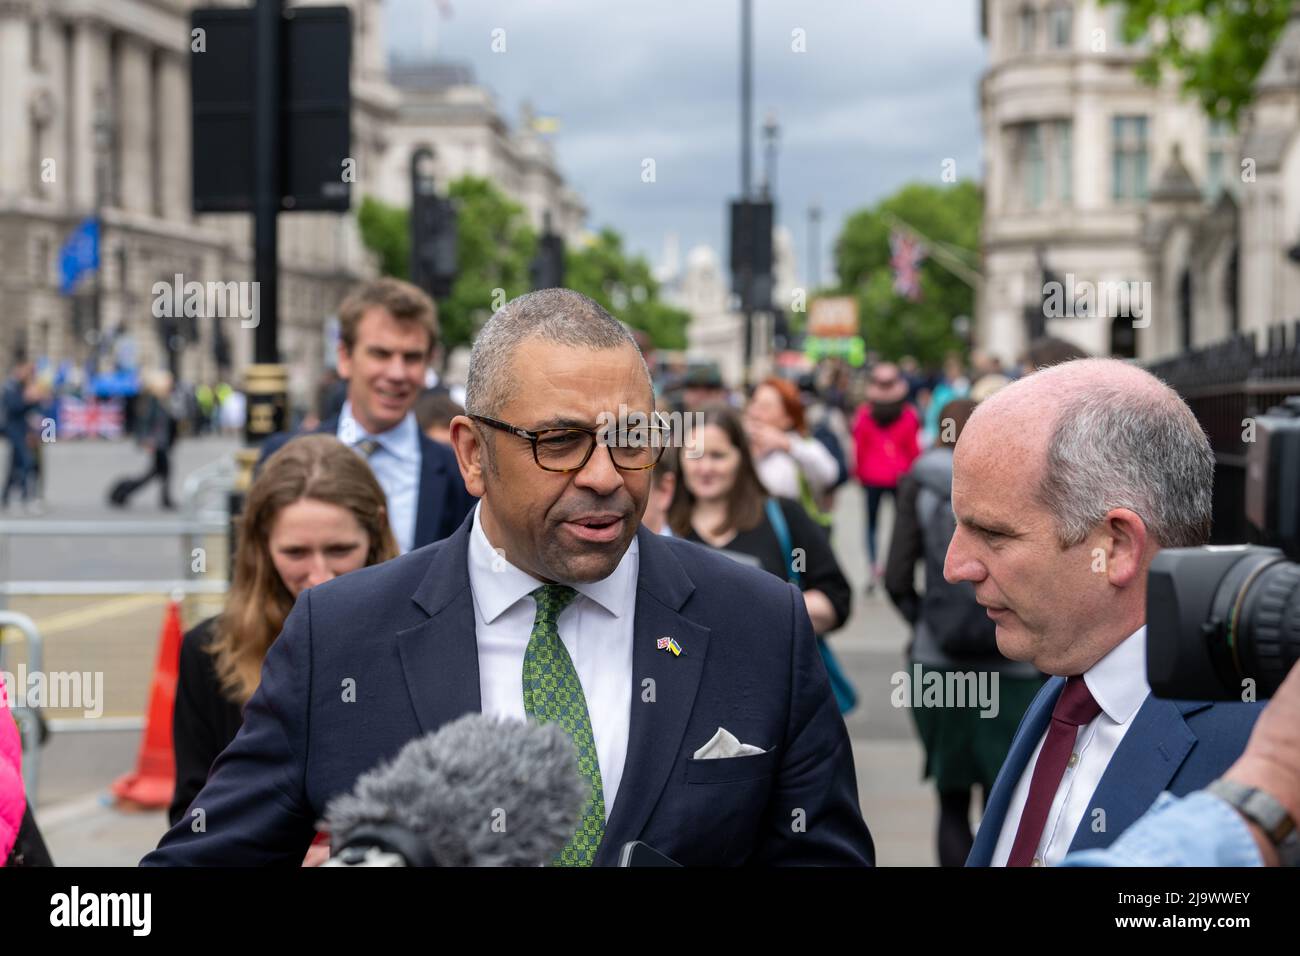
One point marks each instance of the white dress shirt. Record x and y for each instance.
(1118, 683)
(396, 464)
(596, 629)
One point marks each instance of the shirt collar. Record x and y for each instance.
(498, 585)
(401, 441)
(1118, 682)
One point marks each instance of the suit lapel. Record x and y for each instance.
(1153, 748)
(440, 656)
(1031, 731)
(428, 506)
(657, 724)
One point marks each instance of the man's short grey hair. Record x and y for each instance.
(1114, 447)
(559, 316)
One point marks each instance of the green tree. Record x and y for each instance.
(891, 324)
(1220, 73)
(494, 246)
(385, 230)
(626, 287)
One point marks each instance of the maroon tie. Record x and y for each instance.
(1074, 708)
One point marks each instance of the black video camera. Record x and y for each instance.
(1223, 623)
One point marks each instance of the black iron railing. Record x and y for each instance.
(1226, 385)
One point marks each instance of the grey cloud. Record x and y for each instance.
(886, 92)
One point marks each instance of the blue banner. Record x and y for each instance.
(79, 255)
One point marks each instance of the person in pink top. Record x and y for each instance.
(13, 801)
(20, 841)
(885, 439)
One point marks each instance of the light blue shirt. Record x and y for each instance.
(396, 464)
(1196, 830)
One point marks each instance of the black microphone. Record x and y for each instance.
(478, 792)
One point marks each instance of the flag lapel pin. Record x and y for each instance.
(669, 644)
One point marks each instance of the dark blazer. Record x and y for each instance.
(821, 571)
(1179, 746)
(404, 631)
(204, 719)
(443, 502)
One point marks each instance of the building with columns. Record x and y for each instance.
(1087, 170)
(442, 108)
(95, 115)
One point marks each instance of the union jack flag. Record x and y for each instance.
(906, 255)
(90, 419)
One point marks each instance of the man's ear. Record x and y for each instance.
(344, 363)
(468, 445)
(1124, 547)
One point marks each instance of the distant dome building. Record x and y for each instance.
(702, 287)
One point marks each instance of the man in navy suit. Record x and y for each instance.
(388, 329)
(691, 685)
(1065, 485)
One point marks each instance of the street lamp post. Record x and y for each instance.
(103, 129)
(266, 379)
(771, 135)
(814, 246)
(746, 124)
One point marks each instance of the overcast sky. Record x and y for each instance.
(886, 90)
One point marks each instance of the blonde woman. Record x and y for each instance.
(315, 512)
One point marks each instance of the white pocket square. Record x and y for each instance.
(725, 744)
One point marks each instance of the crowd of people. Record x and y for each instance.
(42, 404)
(701, 544)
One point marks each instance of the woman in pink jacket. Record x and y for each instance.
(885, 438)
(20, 841)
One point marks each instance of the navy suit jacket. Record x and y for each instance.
(1174, 745)
(443, 499)
(404, 631)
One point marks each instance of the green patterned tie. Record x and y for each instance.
(553, 695)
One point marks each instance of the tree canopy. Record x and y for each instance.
(891, 324)
(496, 243)
(1221, 73)
(626, 287)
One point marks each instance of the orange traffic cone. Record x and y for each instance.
(154, 779)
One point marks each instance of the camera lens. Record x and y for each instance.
(1222, 623)
(1262, 637)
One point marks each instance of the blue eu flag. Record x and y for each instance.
(79, 255)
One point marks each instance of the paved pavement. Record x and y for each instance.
(77, 765)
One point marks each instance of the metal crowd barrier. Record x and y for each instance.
(30, 723)
(1226, 384)
(212, 482)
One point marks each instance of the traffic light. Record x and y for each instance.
(751, 253)
(434, 237)
(434, 233)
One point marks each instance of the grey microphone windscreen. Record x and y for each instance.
(477, 792)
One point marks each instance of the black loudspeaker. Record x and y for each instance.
(751, 237)
(315, 109)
